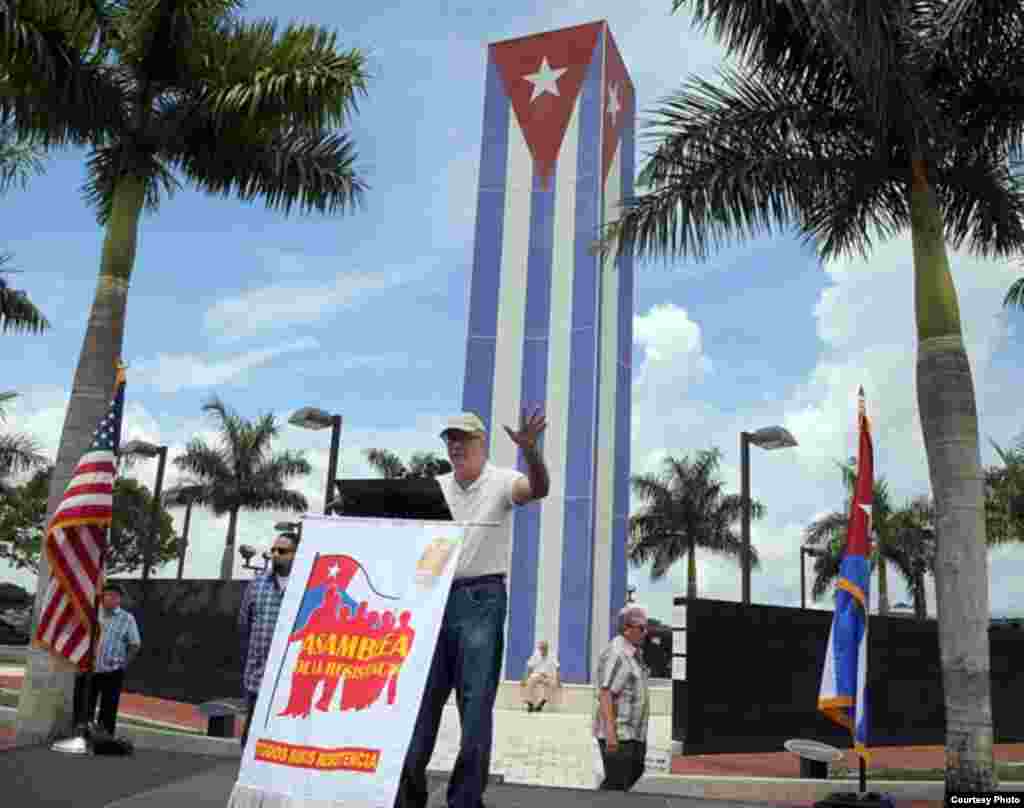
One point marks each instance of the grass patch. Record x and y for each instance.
(9, 698)
(1007, 773)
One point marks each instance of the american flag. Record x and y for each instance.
(76, 540)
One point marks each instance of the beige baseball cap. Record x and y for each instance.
(464, 422)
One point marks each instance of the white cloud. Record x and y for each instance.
(170, 373)
(281, 305)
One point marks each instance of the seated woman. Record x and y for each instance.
(540, 685)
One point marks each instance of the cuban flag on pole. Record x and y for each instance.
(843, 696)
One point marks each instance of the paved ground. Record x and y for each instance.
(36, 778)
(550, 749)
(545, 749)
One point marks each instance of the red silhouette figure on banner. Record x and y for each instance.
(325, 618)
(406, 631)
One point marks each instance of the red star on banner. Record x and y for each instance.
(618, 102)
(542, 75)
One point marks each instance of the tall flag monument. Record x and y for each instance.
(843, 696)
(550, 322)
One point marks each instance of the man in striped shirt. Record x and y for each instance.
(119, 644)
(258, 617)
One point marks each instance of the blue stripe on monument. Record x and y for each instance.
(577, 535)
(526, 547)
(486, 278)
(623, 404)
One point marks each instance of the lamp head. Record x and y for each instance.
(141, 448)
(772, 437)
(311, 418)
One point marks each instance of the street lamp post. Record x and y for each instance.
(771, 437)
(813, 552)
(182, 495)
(143, 449)
(313, 418)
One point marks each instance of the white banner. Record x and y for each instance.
(354, 640)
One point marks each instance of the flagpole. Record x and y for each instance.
(277, 679)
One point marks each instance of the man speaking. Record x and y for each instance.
(471, 643)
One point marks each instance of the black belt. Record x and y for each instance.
(496, 578)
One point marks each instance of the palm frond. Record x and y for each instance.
(53, 89)
(299, 79)
(754, 156)
(19, 159)
(983, 204)
(387, 463)
(314, 171)
(203, 462)
(822, 531)
(1015, 294)
(17, 312)
(826, 570)
(19, 453)
(974, 26)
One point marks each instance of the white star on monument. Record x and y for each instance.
(332, 571)
(545, 80)
(614, 105)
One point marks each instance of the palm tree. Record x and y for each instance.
(1004, 496)
(18, 452)
(845, 122)
(160, 92)
(421, 464)
(241, 473)
(686, 508)
(17, 312)
(914, 548)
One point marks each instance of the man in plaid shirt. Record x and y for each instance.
(258, 617)
(119, 644)
(623, 705)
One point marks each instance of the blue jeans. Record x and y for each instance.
(467, 658)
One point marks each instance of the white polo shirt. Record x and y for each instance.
(487, 499)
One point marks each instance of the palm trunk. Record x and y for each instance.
(227, 561)
(920, 599)
(949, 422)
(45, 703)
(883, 585)
(691, 571)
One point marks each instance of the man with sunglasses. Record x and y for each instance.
(623, 706)
(258, 616)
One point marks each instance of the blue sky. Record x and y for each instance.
(366, 314)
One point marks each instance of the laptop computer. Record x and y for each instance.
(416, 498)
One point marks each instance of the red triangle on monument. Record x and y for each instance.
(542, 75)
(617, 103)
